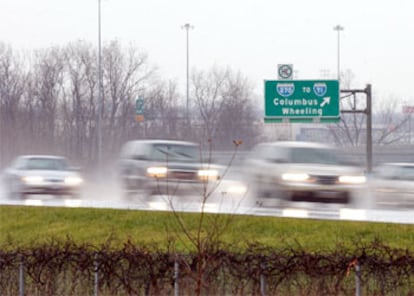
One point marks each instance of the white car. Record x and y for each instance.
(392, 184)
(288, 171)
(153, 167)
(42, 174)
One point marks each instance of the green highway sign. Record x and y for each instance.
(301, 100)
(139, 106)
(139, 110)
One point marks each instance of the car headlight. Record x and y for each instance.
(157, 172)
(73, 181)
(352, 179)
(295, 177)
(236, 189)
(33, 180)
(208, 174)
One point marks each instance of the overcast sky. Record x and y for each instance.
(377, 43)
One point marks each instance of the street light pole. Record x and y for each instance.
(338, 28)
(187, 27)
(99, 124)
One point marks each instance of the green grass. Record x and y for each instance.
(30, 226)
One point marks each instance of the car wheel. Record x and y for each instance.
(345, 200)
(13, 190)
(17, 195)
(75, 195)
(257, 189)
(128, 194)
(137, 195)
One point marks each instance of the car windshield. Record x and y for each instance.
(174, 152)
(314, 155)
(407, 173)
(53, 164)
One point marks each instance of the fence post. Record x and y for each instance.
(262, 280)
(96, 275)
(357, 280)
(21, 277)
(176, 276)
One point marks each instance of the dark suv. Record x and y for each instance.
(166, 167)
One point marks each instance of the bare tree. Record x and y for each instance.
(207, 89)
(12, 87)
(207, 238)
(389, 122)
(162, 111)
(79, 103)
(351, 126)
(126, 73)
(52, 102)
(224, 100)
(237, 117)
(43, 97)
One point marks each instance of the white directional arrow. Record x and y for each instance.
(325, 100)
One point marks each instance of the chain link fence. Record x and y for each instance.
(70, 269)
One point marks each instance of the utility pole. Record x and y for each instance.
(338, 28)
(99, 124)
(368, 92)
(187, 27)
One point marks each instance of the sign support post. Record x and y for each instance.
(368, 111)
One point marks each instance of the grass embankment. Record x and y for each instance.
(31, 226)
